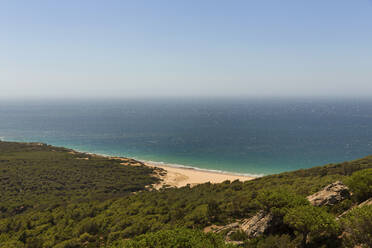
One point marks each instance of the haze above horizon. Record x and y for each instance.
(193, 48)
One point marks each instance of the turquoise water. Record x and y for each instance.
(244, 136)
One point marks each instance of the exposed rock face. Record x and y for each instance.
(257, 225)
(253, 227)
(330, 195)
(220, 229)
(228, 230)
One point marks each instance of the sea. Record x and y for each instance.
(244, 136)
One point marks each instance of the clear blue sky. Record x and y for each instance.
(185, 48)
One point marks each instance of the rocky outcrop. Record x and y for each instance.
(227, 231)
(330, 195)
(257, 225)
(222, 229)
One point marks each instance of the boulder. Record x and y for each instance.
(330, 195)
(258, 224)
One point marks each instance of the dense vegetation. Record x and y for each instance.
(176, 238)
(361, 184)
(38, 176)
(103, 213)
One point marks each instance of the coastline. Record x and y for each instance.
(183, 176)
(179, 175)
(171, 175)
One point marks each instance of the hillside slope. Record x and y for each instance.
(35, 175)
(53, 197)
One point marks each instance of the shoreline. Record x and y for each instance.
(183, 176)
(175, 175)
(190, 167)
(180, 175)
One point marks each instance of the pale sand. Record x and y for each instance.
(179, 177)
(176, 176)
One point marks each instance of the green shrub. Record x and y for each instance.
(89, 226)
(274, 241)
(279, 201)
(313, 222)
(358, 227)
(12, 244)
(177, 238)
(238, 236)
(199, 216)
(71, 243)
(86, 237)
(340, 207)
(360, 184)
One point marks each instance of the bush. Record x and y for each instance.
(11, 244)
(360, 184)
(274, 241)
(238, 236)
(89, 226)
(177, 238)
(310, 221)
(71, 243)
(278, 202)
(340, 207)
(199, 216)
(358, 227)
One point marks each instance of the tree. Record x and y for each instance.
(176, 238)
(213, 210)
(312, 222)
(358, 226)
(278, 202)
(360, 184)
(273, 241)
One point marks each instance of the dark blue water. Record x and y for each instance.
(246, 136)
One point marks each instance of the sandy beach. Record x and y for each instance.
(179, 177)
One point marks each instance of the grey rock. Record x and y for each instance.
(257, 225)
(330, 195)
(232, 226)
